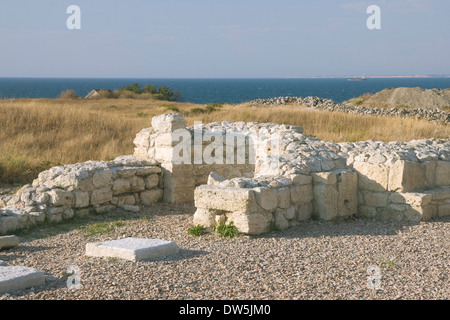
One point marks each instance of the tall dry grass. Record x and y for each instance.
(36, 134)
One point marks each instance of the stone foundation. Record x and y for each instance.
(260, 176)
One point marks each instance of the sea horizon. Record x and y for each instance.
(214, 90)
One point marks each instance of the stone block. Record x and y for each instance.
(325, 201)
(304, 211)
(101, 196)
(267, 198)
(8, 242)
(146, 171)
(38, 217)
(137, 184)
(371, 177)
(284, 197)
(205, 218)
(301, 193)
(10, 223)
(131, 208)
(168, 122)
(443, 173)
(101, 178)
(151, 181)
(81, 199)
(133, 249)
(289, 213)
(60, 197)
(252, 223)
(411, 198)
(280, 220)
(430, 174)
(125, 200)
(121, 186)
(225, 199)
(126, 173)
(367, 212)
(151, 196)
(443, 210)
(324, 177)
(13, 278)
(376, 199)
(393, 213)
(301, 179)
(347, 187)
(420, 213)
(405, 176)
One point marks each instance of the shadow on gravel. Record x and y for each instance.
(183, 255)
(346, 227)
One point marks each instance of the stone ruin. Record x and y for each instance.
(261, 176)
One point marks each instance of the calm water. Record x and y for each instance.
(218, 90)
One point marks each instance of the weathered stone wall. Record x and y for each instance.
(267, 203)
(403, 181)
(90, 187)
(271, 177)
(408, 183)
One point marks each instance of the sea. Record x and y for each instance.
(202, 91)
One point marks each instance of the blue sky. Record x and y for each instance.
(223, 39)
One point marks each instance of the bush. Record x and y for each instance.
(68, 94)
(196, 111)
(171, 107)
(227, 231)
(135, 90)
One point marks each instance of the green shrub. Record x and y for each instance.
(197, 230)
(171, 107)
(197, 111)
(227, 230)
(358, 101)
(142, 115)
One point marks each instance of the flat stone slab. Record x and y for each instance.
(7, 242)
(133, 249)
(14, 278)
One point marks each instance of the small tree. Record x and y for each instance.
(135, 87)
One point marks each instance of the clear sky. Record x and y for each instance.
(223, 39)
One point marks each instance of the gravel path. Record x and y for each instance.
(316, 260)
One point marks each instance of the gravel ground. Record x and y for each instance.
(315, 260)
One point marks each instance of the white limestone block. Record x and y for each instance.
(14, 278)
(133, 249)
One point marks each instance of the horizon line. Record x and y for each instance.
(302, 77)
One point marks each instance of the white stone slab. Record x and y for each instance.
(14, 278)
(133, 249)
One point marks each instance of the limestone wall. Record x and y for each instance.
(270, 177)
(90, 187)
(403, 181)
(269, 203)
(412, 185)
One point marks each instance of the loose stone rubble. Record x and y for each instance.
(261, 176)
(434, 115)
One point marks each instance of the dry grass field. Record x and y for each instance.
(36, 134)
